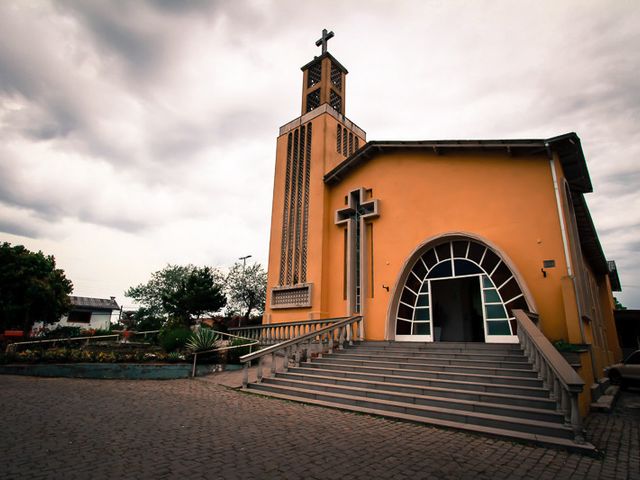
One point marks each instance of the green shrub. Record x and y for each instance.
(235, 353)
(563, 346)
(175, 338)
(63, 332)
(146, 324)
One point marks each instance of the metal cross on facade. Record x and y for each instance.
(324, 39)
(354, 217)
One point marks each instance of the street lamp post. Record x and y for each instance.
(244, 264)
(244, 260)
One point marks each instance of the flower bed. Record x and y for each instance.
(90, 355)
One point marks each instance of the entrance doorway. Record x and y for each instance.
(457, 310)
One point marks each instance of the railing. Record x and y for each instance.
(302, 346)
(557, 375)
(13, 347)
(223, 348)
(277, 332)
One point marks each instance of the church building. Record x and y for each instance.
(435, 240)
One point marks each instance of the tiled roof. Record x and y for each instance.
(94, 303)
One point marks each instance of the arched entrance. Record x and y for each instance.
(457, 289)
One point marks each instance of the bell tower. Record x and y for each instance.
(307, 148)
(323, 80)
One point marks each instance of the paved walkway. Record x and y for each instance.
(197, 429)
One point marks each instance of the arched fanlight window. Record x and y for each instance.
(500, 292)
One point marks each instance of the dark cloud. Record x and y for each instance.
(132, 45)
(51, 104)
(614, 230)
(14, 192)
(622, 182)
(117, 220)
(185, 6)
(56, 201)
(634, 247)
(125, 29)
(143, 34)
(19, 228)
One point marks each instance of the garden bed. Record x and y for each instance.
(125, 371)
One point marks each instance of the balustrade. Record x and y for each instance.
(557, 375)
(313, 337)
(273, 333)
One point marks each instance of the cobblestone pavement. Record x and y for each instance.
(195, 429)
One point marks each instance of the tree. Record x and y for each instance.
(141, 320)
(196, 295)
(178, 291)
(31, 288)
(162, 283)
(247, 288)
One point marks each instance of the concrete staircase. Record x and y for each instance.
(484, 388)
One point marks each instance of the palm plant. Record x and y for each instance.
(203, 339)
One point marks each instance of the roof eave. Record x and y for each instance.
(371, 148)
(569, 150)
(589, 241)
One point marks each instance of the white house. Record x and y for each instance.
(89, 312)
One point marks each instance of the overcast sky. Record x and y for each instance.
(139, 133)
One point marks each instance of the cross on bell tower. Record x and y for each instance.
(323, 80)
(354, 216)
(324, 40)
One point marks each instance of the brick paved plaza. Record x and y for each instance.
(192, 429)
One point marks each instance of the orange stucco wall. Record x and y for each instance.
(509, 202)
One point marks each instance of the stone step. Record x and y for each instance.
(431, 374)
(437, 351)
(429, 365)
(451, 359)
(443, 346)
(480, 356)
(448, 392)
(544, 440)
(465, 345)
(406, 379)
(421, 399)
(535, 427)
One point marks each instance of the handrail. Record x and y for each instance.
(556, 373)
(220, 349)
(55, 340)
(339, 327)
(11, 346)
(565, 372)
